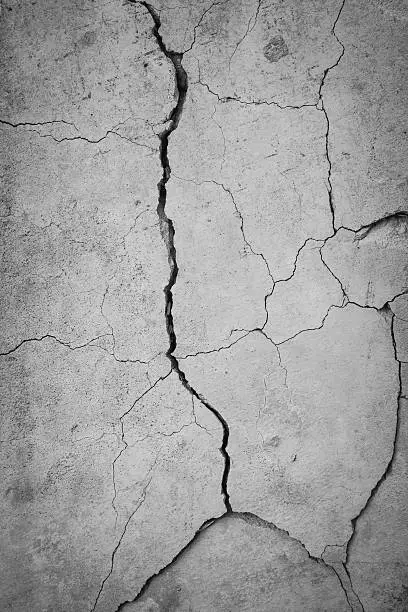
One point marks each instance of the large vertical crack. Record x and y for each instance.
(168, 232)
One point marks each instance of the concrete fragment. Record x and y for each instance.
(365, 99)
(378, 557)
(311, 429)
(233, 49)
(273, 162)
(60, 434)
(223, 568)
(167, 484)
(372, 264)
(76, 62)
(303, 300)
(221, 284)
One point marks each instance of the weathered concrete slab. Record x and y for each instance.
(203, 349)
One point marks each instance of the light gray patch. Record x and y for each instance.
(274, 441)
(275, 49)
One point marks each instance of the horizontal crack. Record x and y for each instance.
(75, 138)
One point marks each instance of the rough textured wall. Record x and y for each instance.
(204, 299)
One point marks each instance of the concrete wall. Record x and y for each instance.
(204, 300)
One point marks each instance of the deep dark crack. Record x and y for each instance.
(168, 232)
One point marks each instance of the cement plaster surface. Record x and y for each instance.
(204, 339)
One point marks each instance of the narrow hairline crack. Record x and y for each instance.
(118, 543)
(318, 105)
(250, 26)
(77, 347)
(247, 244)
(123, 438)
(168, 232)
(110, 132)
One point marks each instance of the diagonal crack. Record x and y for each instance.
(118, 543)
(364, 230)
(250, 26)
(198, 24)
(144, 588)
(123, 439)
(168, 232)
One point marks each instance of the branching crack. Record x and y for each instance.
(345, 579)
(319, 105)
(198, 24)
(248, 517)
(168, 232)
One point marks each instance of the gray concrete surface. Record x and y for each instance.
(204, 337)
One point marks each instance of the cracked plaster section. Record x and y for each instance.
(280, 242)
(305, 455)
(90, 479)
(79, 223)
